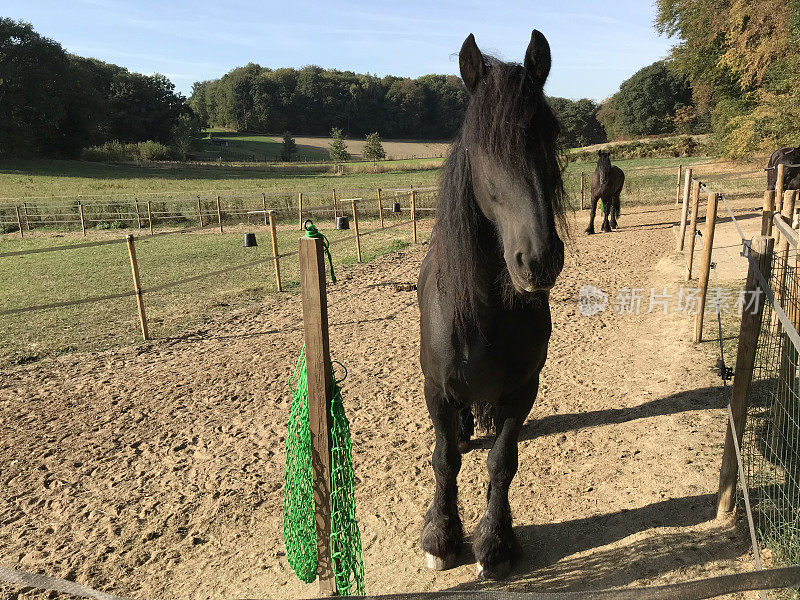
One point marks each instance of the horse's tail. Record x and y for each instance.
(484, 413)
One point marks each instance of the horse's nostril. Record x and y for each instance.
(520, 260)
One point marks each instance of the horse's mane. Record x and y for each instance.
(509, 119)
(604, 166)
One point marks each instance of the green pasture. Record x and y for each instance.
(72, 274)
(59, 178)
(260, 145)
(648, 180)
(67, 275)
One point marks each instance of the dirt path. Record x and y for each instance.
(156, 472)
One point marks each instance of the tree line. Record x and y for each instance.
(312, 100)
(736, 75)
(56, 103)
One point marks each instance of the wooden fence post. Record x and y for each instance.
(150, 217)
(320, 389)
(782, 250)
(583, 188)
(19, 222)
(27, 220)
(693, 228)
(199, 212)
(300, 209)
(678, 189)
(219, 214)
(274, 233)
(761, 250)
(414, 214)
(779, 199)
(766, 213)
(80, 214)
(779, 187)
(355, 226)
(264, 205)
(335, 210)
(380, 207)
(138, 216)
(705, 265)
(137, 287)
(684, 210)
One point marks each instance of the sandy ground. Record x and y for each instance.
(156, 471)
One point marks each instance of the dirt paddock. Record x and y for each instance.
(156, 472)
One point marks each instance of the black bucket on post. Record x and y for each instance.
(250, 240)
(342, 223)
(396, 207)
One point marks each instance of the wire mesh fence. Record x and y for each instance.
(771, 448)
(229, 207)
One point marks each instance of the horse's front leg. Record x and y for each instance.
(592, 212)
(443, 533)
(494, 543)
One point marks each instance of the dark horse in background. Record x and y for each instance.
(484, 291)
(607, 182)
(791, 175)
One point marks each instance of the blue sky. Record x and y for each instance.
(595, 45)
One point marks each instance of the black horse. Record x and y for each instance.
(791, 175)
(484, 290)
(607, 182)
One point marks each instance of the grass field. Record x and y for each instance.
(70, 179)
(262, 146)
(73, 274)
(315, 148)
(66, 275)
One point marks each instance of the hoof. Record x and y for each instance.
(500, 571)
(435, 563)
(463, 446)
(589, 231)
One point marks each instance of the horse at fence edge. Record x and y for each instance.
(791, 175)
(607, 182)
(483, 291)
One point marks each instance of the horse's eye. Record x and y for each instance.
(492, 191)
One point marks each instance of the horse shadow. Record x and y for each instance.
(697, 399)
(559, 556)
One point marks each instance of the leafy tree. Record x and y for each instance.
(41, 108)
(289, 148)
(311, 100)
(742, 58)
(338, 149)
(373, 149)
(646, 102)
(185, 135)
(54, 103)
(579, 124)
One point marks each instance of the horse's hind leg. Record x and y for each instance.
(607, 211)
(466, 428)
(615, 211)
(442, 533)
(494, 543)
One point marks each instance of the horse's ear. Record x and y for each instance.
(470, 60)
(599, 153)
(537, 58)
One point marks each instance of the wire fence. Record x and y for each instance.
(203, 209)
(772, 435)
(70, 296)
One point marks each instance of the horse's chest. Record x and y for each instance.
(489, 367)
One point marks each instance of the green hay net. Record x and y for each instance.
(299, 524)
